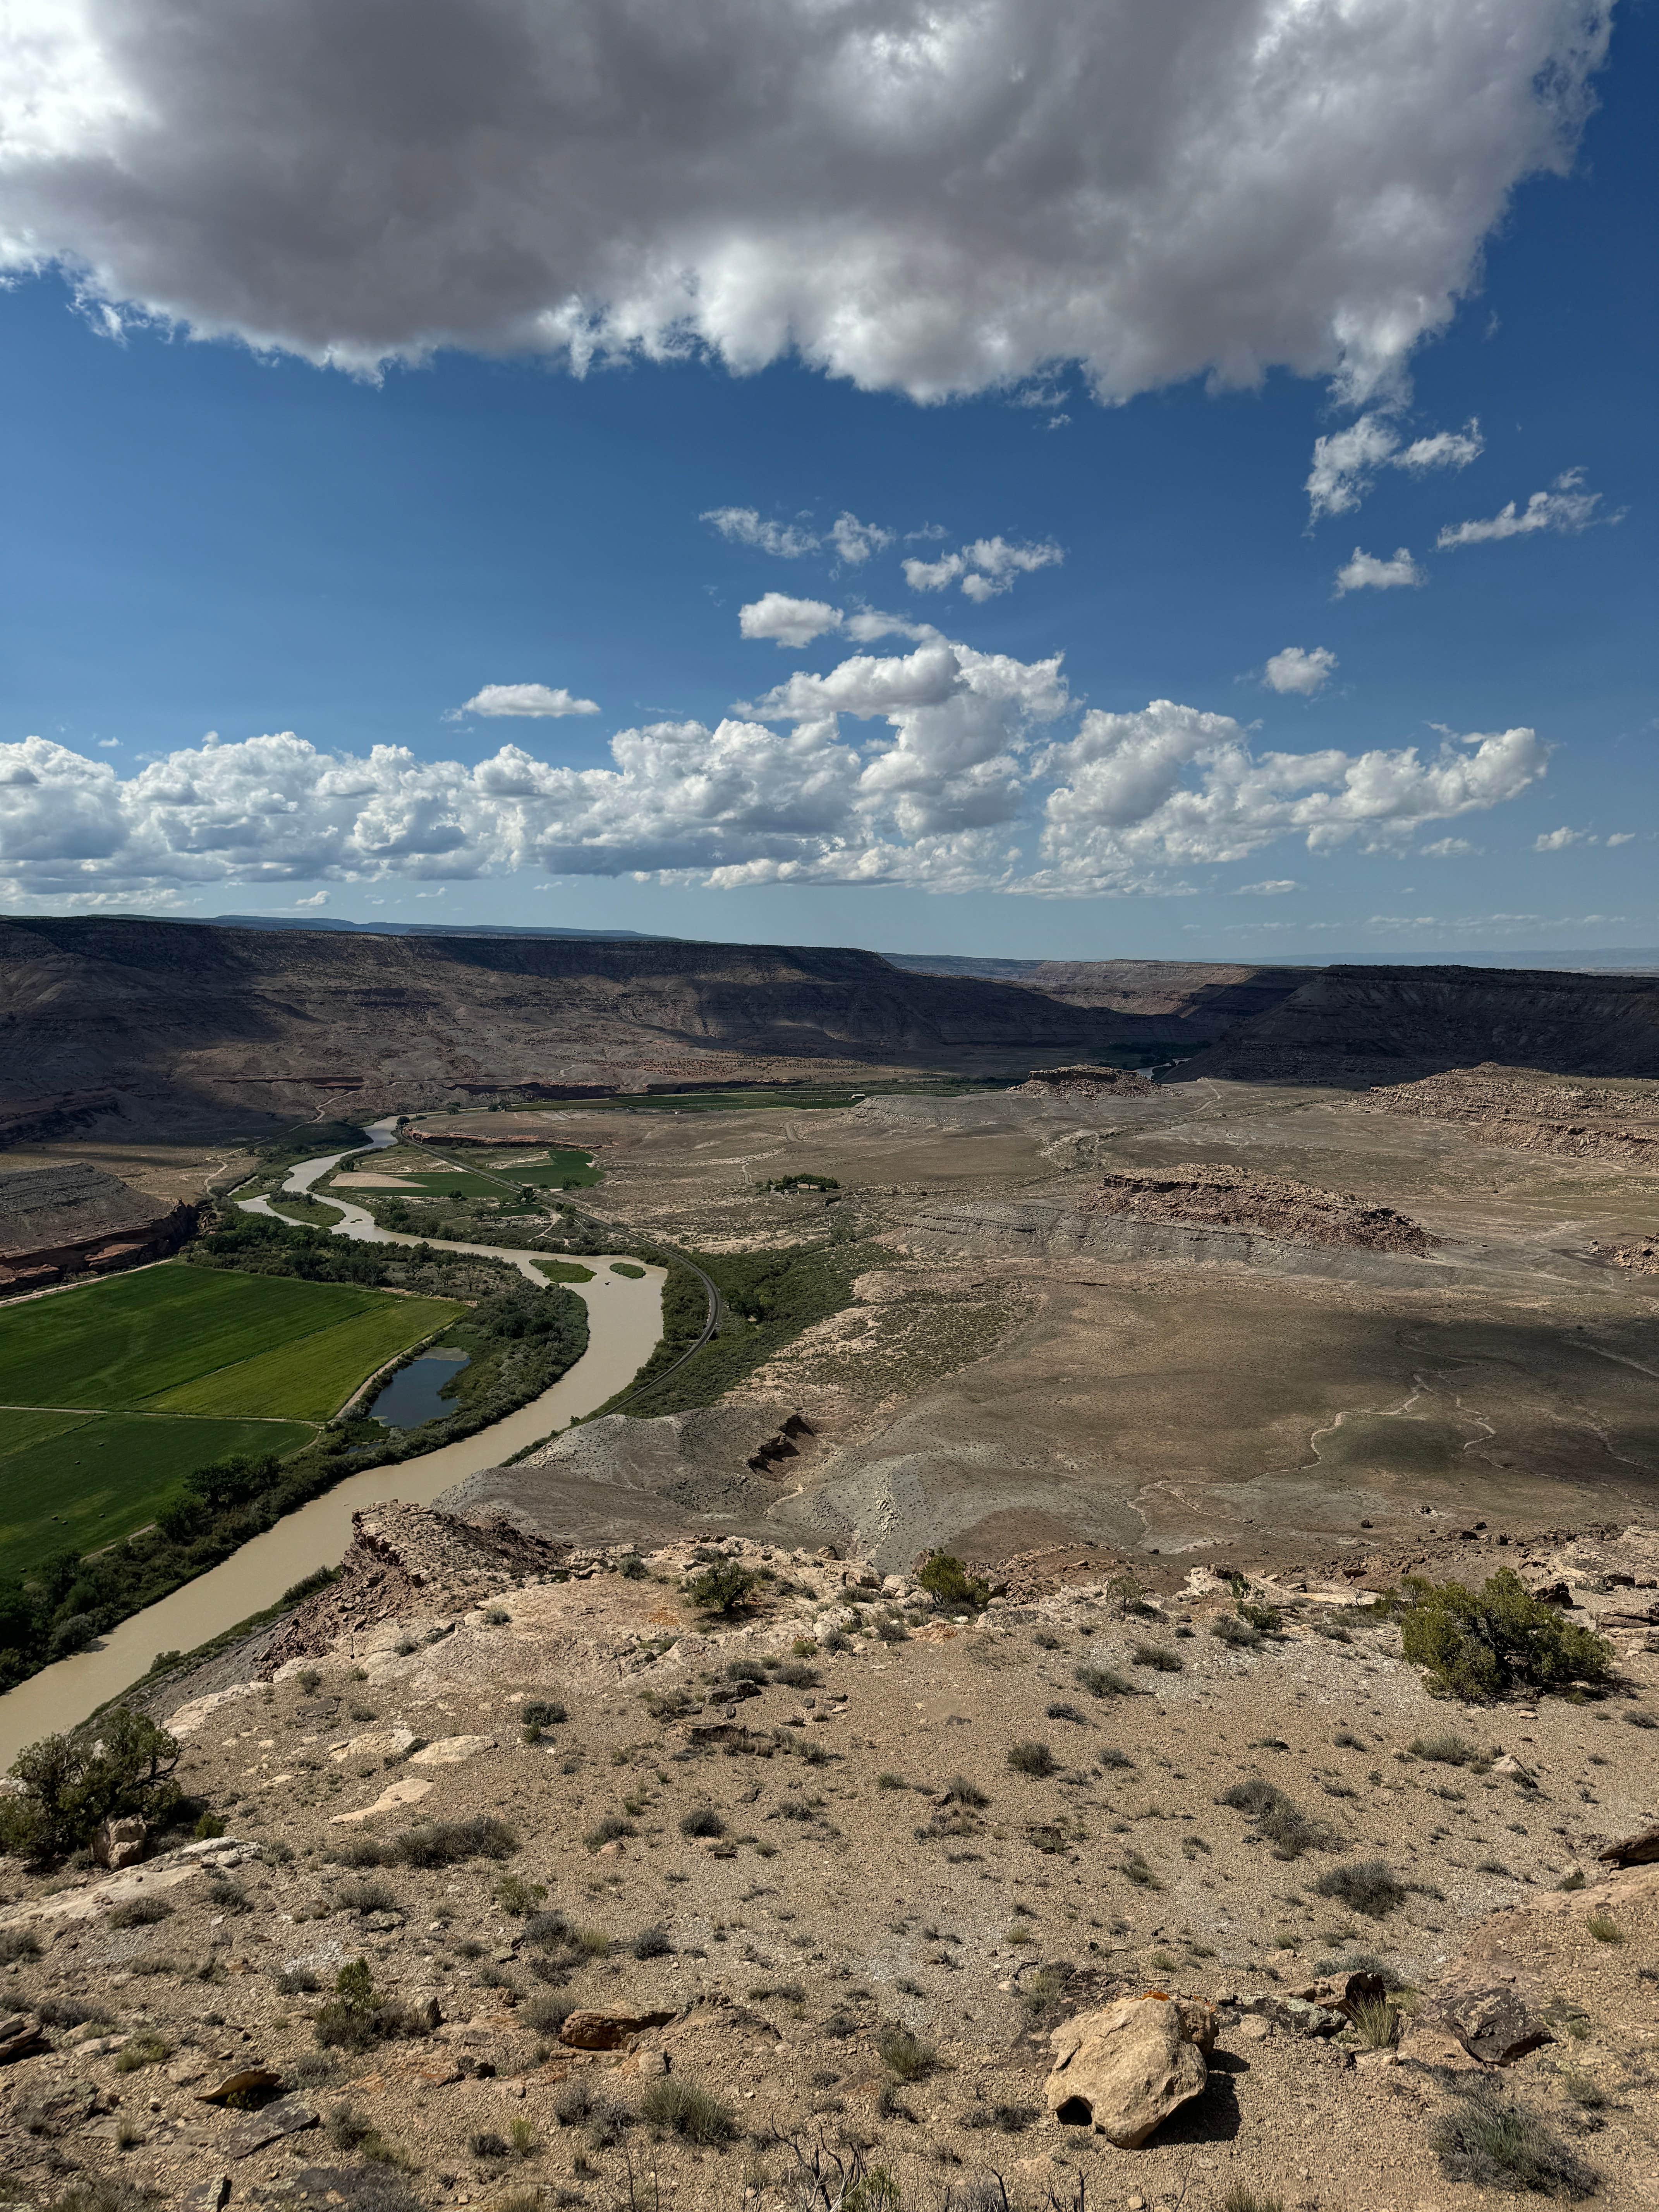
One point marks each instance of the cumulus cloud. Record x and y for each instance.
(1344, 464)
(1557, 841)
(786, 621)
(930, 198)
(1622, 837)
(1566, 506)
(1172, 784)
(525, 699)
(855, 541)
(1370, 572)
(743, 526)
(962, 769)
(983, 569)
(1297, 670)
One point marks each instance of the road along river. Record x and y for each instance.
(624, 1319)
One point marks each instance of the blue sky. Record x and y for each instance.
(201, 537)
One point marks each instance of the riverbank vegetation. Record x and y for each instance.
(519, 1342)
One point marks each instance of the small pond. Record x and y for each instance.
(413, 1395)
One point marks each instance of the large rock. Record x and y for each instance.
(21, 2036)
(1122, 2070)
(1491, 2019)
(608, 2031)
(120, 1843)
(1640, 1849)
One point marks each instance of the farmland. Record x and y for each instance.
(115, 1392)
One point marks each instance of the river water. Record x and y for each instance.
(624, 1321)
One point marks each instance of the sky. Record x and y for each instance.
(1026, 477)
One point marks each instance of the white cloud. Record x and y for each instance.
(1557, 841)
(1565, 506)
(743, 526)
(1173, 785)
(1621, 837)
(523, 698)
(960, 769)
(316, 898)
(933, 200)
(985, 570)
(855, 541)
(1344, 464)
(1299, 670)
(1447, 848)
(108, 744)
(786, 621)
(1371, 572)
(1275, 887)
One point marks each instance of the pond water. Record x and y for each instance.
(415, 1393)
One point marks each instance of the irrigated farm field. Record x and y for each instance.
(112, 1395)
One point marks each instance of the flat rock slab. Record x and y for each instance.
(209, 2196)
(450, 1750)
(288, 2116)
(408, 1792)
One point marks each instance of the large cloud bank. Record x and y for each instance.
(959, 770)
(935, 195)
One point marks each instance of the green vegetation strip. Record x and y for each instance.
(311, 1379)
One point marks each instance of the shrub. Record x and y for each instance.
(1032, 1759)
(607, 1831)
(118, 1764)
(1480, 1644)
(539, 1713)
(1605, 1927)
(446, 1843)
(1266, 1619)
(227, 1896)
(905, 2056)
(1155, 1655)
(951, 1586)
(1446, 1750)
(724, 1588)
(687, 2110)
(487, 2144)
(961, 1792)
(1101, 1682)
(795, 1676)
(365, 1897)
(297, 1982)
(140, 1912)
(1376, 2023)
(702, 1820)
(1111, 1758)
(547, 2014)
(746, 1670)
(1487, 2140)
(1239, 1633)
(142, 2051)
(1366, 1886)
(652, 1942)
(517, 1896)
(1240, 2199)
(17, 1943)
(1059, 1711)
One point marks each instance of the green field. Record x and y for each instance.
(74, 1482)
(164, 1360)
(560, 1170)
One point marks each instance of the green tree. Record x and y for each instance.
(116, 1764)
(1479, 1644)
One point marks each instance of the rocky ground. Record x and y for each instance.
(1243, 1197)
(1525, 1112)
(846, 1863)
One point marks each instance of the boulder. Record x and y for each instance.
(1299, 2015)
(209, 2195)
(21, 2036)
(608, 2031)
(119, 1844)
(256, 2078)
(1492, 2021)
(1122, 2070)
(1342, 1992)
(288, 2116)
(1639, 1850)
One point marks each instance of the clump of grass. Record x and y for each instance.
(794, 1675)
(540, 1714)
(1605, 1927)
(607, 1831)
(688, 2111)
(652, 1942)
(1239, 1633)
(1366, 1886)
(365, 1897)
(905, 2056)
(961, 1792)
(1447, 1750)
(1284, 1826)
(891, 1782)
(1159, 1658)
(1376, 2023)
(1032, 1758)
(137, 1912)
(702, 1820)
(142, 2051)
(447, 1843)
(1114, 1759)
(1240, 2199)
(1101, 1682)
(1492, 2143)
(1059, 1711)
(517, 1896)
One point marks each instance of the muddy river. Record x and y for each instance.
(624, 1319)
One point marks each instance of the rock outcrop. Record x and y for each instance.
(1082, 1083)
(1525, 1112)
(1122, 2070)
(75, 1219)
(409, 1559)
(1270, 1206)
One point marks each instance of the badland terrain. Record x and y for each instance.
(1160, 1297)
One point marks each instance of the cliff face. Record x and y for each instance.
(1159, 1000)
(1385, 1026)
(240, 1017)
